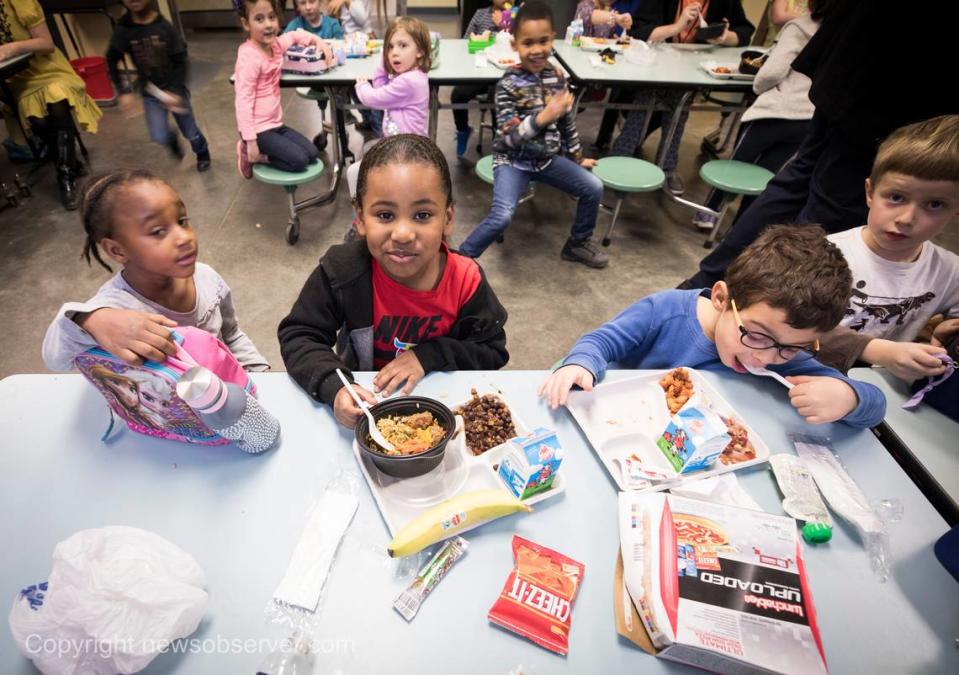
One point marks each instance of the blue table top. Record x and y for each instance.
(240, 516)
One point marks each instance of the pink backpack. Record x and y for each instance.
(145, 396)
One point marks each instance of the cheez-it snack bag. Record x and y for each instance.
(537, 600)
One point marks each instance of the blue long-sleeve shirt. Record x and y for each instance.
(663, 331)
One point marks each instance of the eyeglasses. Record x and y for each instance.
(756, 340)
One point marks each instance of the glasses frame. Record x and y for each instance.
(778, 346)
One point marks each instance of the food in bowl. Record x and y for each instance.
(409, 434)
(487, 421)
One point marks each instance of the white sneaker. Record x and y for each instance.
(704, 221)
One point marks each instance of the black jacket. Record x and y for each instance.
(157, 50)
(655, 13)
(331, 326)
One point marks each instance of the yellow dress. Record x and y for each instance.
(49, 77)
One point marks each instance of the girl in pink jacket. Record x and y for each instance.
(259, 116)
(400, 85)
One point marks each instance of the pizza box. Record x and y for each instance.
(624, 419)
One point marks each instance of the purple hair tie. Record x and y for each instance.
(933, 382)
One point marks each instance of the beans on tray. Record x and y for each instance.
(487, 420)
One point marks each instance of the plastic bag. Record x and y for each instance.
(116, 598)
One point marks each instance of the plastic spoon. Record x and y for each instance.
(365, 407)
(759, 370)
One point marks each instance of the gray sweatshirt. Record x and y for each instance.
(214, 313)
(784, 92)
(356, 17)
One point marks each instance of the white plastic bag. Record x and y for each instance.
(116, 598)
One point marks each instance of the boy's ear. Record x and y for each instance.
(719, 296)
(512, 41)
(360, 221)
(868, 193)
(114, 249)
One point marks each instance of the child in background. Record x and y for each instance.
(600, 20)
(400, 86)
(784, 292)
(535, 128)
(259, 116)
(900, 278)
(139, 221)
(311, 18)
(398, 300)
(160, 57)
(354, 15)
(485, 19)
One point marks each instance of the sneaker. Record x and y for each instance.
(704, 221)
(584, 251)
(176, 149)
(243, 164)
(462, 141)
(674, 183)
(203, 161)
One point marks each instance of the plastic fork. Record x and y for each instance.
(760, 370)
(365, 407)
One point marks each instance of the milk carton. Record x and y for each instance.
(693, 439)
(531, 462)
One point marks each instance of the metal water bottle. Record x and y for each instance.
(228, 409)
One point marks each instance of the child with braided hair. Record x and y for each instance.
(139, 221)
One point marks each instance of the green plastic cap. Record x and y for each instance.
(816, 533)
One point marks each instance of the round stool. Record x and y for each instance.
(484, 169)
(732, 178)
(289, 181)
(623, 175)
(311, 94)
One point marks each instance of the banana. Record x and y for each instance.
(452, 517)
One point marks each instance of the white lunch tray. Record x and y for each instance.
(710, 68)
(402, 499)
(628, 416)
(590, 45)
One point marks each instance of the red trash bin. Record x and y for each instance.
(93, 70)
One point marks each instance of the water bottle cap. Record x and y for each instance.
(199, 387)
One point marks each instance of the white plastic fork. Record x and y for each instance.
(365, 407)
(760, 370)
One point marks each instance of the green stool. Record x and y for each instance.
(732, 178)
(623, 175)
(289, 181)
(484, 169)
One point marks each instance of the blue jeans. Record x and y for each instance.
(287, 149)
(158, 123)
(509, 184)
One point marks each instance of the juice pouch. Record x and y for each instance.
(537, 600)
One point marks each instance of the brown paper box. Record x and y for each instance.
(628, 622)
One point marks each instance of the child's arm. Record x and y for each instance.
(395, 93)
(115, 52)
(302, 37)
(128, 334)
(568, 132)
(823, 394)
(473, 26)
(516, 131)
(307, 336)
(239, 342)
(359, 11)
(247, 72)
(178, 58)
(779, 62)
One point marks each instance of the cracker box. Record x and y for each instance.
(693, 439)
(531, 462)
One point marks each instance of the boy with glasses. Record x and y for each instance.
(784, 291)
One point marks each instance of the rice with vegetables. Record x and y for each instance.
(409, 434)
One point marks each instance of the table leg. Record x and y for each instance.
(673, 123)
(434, 111)
(329, 195)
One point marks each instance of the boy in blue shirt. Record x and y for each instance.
(780, 295)
(311, 17)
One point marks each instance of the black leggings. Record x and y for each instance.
(464, 93)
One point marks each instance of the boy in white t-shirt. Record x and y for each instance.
(901, 279)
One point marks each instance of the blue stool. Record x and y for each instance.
(289, 181)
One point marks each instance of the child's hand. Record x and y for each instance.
(252, 152)
(556, 387)
(690, 14)
(404, 368)
(128, 105)
(624, 20)
(588, 163)
(822, 399)
(945, 331)
(361, 81)
(557, 106)
(906, 360)
(324, 47)
(345, 409)
(131, 336)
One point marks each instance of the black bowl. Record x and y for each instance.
(407, 466)
(748, 68)
(710, 32)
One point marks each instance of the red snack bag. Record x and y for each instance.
(537, 600)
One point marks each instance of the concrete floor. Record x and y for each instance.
(241, 231)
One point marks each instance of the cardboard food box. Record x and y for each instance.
(693, 439)
(531, 462)
(714, 586)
